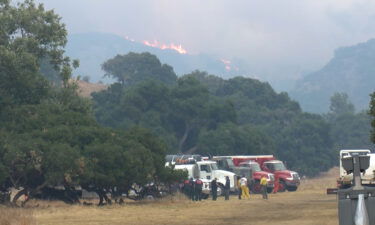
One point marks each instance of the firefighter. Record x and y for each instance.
(187, 188)
(198, 189)
(239, 188)
(276, 187)
(192, 188)
(214, 189)
(244, 188)
(227, 188)
(263, 184)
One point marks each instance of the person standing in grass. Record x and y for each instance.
(214, 189)
(239, 188)
(187, 188)
(244, 188)
(192, 189)
(263, 184)
(198, 189)
(276, 187)
(227, 188)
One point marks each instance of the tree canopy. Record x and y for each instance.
(209, 115)
(49, 136)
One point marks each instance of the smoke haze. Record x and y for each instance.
(277, 39)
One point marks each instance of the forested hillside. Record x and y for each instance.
(94, 48)
(351, 70)
(205, 114)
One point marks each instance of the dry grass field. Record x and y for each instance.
(308, 206)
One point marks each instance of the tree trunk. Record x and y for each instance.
(184, 137)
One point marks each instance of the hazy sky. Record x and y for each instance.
(297, 35)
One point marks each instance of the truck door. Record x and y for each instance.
(205, 171)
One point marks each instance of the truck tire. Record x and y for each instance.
(269, 190)
(149, 197)
(291, 188)
(256, 188)
(282, 186)
(220, 190)
(205, 196)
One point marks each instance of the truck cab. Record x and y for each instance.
(257, 175)
(226, 163)
(207, 171)
(288, 179)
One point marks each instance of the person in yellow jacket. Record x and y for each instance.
(244, 188)
(263, 184)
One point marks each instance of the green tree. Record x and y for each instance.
(340, 104)
(30, 109)
(230, 138)
(348, 129)
(133, 68)
(189, 104)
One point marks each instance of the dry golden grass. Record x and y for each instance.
(9, 216)
(308, 206)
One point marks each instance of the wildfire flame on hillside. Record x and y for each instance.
(228, 65)
(156, 44)
(172, 46)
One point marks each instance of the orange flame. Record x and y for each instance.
(228, 65)
(156, 44)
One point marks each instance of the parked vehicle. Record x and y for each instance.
(288, 180)
(257, 175)
(226, 163)
(182, 159)
(367, 176)
(206, 171)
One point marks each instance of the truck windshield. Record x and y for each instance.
(230, 163)
(214, 166)
(255, 167)
(276, 166)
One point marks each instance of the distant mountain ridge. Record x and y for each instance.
(92, 49)
(351, 70)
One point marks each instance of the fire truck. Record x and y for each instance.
(288, 180)
(258, 173)
(205, 170)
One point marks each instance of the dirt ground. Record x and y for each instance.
(308, 206)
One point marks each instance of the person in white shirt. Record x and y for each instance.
(244, 188)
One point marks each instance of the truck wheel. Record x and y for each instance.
(149, 197)
(220, 190)
(269, 190)
(282, 186)
(256, 188)
(205, 196)
(291, 188)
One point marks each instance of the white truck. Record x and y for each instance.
(207, 171)
(367, 177)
